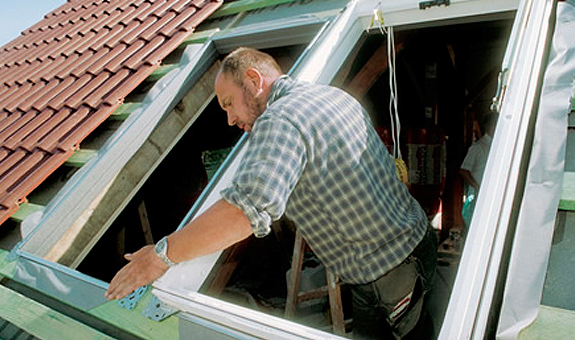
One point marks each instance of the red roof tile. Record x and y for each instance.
(66, 74)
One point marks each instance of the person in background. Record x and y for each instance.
(313, 155)
(474, 163)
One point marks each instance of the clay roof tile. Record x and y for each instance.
(66, 74)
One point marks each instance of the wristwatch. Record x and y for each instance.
(161, 250)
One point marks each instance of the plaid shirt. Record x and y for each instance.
(315, 155)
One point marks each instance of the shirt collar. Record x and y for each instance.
(279, 88)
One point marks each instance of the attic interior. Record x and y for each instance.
(446, 76)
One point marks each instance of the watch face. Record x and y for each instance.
(161, 246)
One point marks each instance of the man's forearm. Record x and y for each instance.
(219, 227)
(216, 229)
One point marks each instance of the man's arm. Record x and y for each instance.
(219, 227)
(466, 174)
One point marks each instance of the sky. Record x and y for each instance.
(18, 15)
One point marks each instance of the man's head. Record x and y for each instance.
(487, 123)
(243, 83)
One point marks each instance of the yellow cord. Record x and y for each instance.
(401, 168)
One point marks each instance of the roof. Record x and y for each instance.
(65, 75)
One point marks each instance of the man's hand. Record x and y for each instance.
(214, 230)
(143, 269)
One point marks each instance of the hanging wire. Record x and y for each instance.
(393, 112)
(400, 165)
(377, 21)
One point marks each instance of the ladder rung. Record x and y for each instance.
(312, 294)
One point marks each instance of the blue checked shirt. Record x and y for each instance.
(315, 155)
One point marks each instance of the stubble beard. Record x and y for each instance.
(255, 105)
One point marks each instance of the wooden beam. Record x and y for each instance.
(295, 276)
(121, 247)
(335, 303)
(222, 271)
(143, 212)
(344, 70)
(481, 86)
(372, 70)
(41, 321)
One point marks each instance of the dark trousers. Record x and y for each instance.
(394, 306)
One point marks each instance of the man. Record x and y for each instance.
(314, 155)
(474, 163)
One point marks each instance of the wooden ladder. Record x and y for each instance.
(332, 289)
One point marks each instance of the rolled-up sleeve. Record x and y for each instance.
(271, 168)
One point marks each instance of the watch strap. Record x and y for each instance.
(161, 249)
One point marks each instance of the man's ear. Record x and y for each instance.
(255, 79)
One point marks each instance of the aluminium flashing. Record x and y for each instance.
(93, 178)
(228, 320)
(276, 33)
(294, 11)
(267, 11)
(495, 215)
(281, 25)
(60, 282)
(59, 288)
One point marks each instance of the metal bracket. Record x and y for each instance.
(157, 310)
(502, 80)
(432, 3)
(131, 301)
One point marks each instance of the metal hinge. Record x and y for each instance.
(131, 301)
(432, 3)
(157, 310)
(501, 89)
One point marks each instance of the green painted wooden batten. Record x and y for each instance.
(81, 157)
(25, 210)
(124, 111)
(43, 321)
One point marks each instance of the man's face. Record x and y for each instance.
(242, 104)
